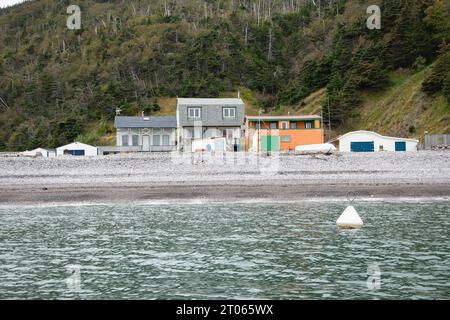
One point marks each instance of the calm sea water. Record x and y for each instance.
(209, 251)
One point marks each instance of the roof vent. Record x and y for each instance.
(146, 118)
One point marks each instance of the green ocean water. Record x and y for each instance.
(225, 251)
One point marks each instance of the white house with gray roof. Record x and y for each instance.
(147, 134)
(200, 118)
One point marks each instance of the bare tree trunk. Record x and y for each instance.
(259, 11)
(115, 25)
(156, 81)
(269, 54)
(246, 34)
(166, 10)
(320, 14)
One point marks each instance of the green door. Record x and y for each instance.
(270, 143)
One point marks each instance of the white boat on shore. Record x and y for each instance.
(324, 148)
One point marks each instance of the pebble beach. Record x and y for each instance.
(229, 177)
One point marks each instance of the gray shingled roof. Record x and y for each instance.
(210, 102)
(145, 122)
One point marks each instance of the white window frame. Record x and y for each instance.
(229, 112)
(165, 136)
(159, 140)
(286, 139)
(133, 137)
(194, 113)
(125, 140)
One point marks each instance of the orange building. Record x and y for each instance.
(282, 133)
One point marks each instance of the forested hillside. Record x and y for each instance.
(57, 85)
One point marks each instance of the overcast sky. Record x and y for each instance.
(7, 3)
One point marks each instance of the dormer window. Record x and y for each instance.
(229, 112)
(194, 113)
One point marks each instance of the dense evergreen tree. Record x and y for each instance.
(404, 37)
(438, 80)
(55, 82)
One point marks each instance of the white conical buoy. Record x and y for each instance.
(349, 219)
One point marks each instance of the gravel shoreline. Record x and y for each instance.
(152, 177)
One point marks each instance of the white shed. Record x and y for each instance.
(77, 149)
(39, 152)
(368, 141)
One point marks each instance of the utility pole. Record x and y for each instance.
(321, 118)
(259, 130)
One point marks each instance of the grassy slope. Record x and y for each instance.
(400, 110)
(403, 109)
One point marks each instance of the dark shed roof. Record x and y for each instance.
(145, 122)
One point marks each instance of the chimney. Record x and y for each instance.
(239, 94)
